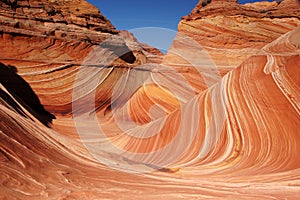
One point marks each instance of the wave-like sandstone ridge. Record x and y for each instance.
(89, 112)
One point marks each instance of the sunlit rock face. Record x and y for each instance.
(230, 33)
(102, 118)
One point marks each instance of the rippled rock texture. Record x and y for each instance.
(230, 33)
(102, 118)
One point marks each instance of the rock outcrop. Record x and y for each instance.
(102, 118)
(49, 19)
(230, 33)
(47, 41)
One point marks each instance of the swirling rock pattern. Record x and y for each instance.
(121, 125)
(230, 33)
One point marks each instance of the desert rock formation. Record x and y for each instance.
(230, 33)
(88, 112)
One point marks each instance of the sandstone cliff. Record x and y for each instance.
(49, 18)
(47, 41)
(230, 33)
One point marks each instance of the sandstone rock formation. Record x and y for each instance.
(46, 45)
(102, 118)
(230, 33)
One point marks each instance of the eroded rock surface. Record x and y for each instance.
(102, 118)
(230, 33)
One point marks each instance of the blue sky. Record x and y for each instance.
(126, 15)
(132, 14)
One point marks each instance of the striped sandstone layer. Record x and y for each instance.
(230, 33)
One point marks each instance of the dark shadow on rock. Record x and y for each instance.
(23, 93)
(120, 49)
